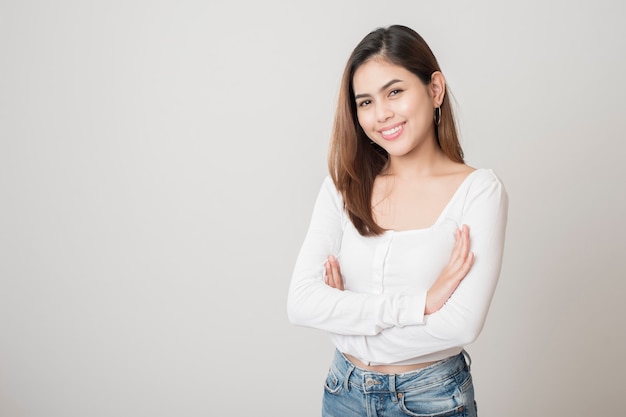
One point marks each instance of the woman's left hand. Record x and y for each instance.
(333, 277)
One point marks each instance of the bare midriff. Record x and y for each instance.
(388, 369)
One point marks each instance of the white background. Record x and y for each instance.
(158, 165)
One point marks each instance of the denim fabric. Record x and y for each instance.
(442, 389)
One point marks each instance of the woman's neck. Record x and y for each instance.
(421, 164)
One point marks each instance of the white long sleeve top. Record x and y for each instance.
(379, 317)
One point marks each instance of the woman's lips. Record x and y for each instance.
(392, 132)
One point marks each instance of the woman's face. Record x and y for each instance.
(394, 107)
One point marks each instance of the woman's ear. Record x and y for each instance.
(437, 88)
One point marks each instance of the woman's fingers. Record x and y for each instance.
(468, 263)
(461, 248)
(461, 244)
(333, 276)
(336, 273)
(327, 272)
(464, 258)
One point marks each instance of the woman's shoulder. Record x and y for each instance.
(329, 185)
(329, 189)
(484, 175)
(485, 180)
(466, 176)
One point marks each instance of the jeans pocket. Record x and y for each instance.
(440, 400)
(333, 383)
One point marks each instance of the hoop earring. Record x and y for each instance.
(437, 116)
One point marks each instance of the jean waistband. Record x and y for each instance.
(371, 381)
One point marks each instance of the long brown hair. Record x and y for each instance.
(353, 161)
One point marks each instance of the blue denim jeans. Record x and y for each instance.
(442, 389)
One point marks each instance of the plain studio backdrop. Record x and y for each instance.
(159, 161)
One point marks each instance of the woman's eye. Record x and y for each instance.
(395, 92)
(364, 103)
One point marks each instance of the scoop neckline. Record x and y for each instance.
(443, 211)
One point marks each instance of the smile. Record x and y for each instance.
(392, 132)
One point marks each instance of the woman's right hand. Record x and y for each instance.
(460, 263)
(333, 277)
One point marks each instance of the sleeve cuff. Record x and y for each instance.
(411, 309)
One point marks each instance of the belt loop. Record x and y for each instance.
(468, 359)
(392, 388)
(346, 382)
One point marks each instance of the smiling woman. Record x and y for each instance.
(402, 105)
(387, 265)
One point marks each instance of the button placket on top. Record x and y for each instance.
(378, 261)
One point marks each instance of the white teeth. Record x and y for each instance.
(391, 131)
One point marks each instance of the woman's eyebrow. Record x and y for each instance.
(384, 87)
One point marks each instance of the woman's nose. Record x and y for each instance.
(383, 112)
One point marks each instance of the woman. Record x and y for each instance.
(388, 267)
